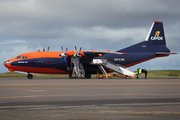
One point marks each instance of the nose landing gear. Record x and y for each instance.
(29, 76)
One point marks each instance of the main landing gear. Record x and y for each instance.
(87, 75)
(29, 76)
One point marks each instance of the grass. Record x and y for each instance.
(12, 74)
(15, 74)
(151, 74)
(162, 73)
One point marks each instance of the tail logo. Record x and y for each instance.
(156, 36)
(157, 33)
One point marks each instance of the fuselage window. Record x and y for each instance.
(47, 61)
(40, 61)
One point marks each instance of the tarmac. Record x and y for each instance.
(89, 99)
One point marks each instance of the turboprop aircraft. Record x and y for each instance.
(83, 63)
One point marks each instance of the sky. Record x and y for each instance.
(29, 25)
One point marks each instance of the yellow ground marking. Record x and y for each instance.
(81, 87)
(131, 112)
(71, 95)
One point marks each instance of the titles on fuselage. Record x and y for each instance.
(22, 61)
(119, 59)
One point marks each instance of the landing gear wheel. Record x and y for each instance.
(70, 76)
(29, 76)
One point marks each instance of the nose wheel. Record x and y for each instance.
(29, 76)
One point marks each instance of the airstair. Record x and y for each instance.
(102, 62)
(78, 70)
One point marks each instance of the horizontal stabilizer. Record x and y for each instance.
(164, 53)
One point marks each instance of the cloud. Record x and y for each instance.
(11, 42)
(11, 51)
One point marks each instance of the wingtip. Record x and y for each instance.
(173, 53)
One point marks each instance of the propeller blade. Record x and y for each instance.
(62, 60)
(80, 49)
(75, 48)
(65, 60)
(61, 47)
(66, 49)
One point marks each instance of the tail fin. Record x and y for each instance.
(154, 42)
(155, 35)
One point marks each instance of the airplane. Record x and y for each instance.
(86, 62)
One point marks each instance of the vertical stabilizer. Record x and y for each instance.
(154, 42)
(156, 35)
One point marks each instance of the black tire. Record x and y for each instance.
(30, 76)
(70, 76)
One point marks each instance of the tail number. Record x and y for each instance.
(119, 59)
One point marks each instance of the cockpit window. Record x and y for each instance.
(18, 57)
(21, 57)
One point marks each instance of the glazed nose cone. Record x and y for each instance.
(5, 63)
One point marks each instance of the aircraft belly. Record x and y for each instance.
(92, 69)
(38, 70)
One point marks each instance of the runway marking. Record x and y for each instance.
(81, 84)
(72, 95)
(79, 87)
(132, 112)
(36, 90)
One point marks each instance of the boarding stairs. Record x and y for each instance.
(78, 70)
(102, 62)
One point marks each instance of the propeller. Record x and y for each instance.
(64, 55)
(78, 53)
